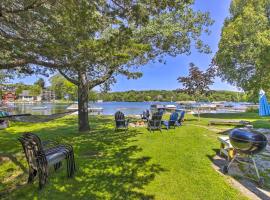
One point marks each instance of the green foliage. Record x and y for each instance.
(35, 90)
(92, 95)
(97, 39)
(40, 82)
(63, 88)
(174, 95)
(244, 49)
(20, 87)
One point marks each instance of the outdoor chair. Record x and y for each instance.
(172, 121)
(42, 155)
(120, 121)
(145, 115)
(4, 123)
(181, 118)
(155, 122)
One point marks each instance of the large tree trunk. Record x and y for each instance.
(83, 102)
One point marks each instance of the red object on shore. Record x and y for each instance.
(9, 96)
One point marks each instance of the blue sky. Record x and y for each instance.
(159, 76)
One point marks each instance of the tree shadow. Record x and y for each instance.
(108, 164)
(240, 115)
(14, 159)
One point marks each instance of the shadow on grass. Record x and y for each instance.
(245, 181)
(108, 165)
(241, 115)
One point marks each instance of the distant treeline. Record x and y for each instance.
(165, 95)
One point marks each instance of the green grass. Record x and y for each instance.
(174, 164)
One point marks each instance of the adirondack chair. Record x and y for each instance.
(155, 122)
(42, 155)
(120, 121)
(181, 118)
(172, 121)
(145, 115)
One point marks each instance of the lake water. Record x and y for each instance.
(109, 108)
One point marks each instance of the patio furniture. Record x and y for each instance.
(226, 148)
(5, 117)
(120, 121)
(172, 121)
(181, 118)
(4, 123)
(42, 155)
(155, 122)
(145, 115)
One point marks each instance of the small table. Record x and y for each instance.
(225, 147)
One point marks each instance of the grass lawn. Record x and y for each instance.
(174, 164)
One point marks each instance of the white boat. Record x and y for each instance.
(207, 106)
(40, 108)
(170, 107)
(90, 109)
(157, 108)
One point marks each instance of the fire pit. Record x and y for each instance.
(249, 143)
(137, 124)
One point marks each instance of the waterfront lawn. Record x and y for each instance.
(174, 164)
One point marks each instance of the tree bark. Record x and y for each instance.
(83, 102)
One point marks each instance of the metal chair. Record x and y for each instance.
(42, 155)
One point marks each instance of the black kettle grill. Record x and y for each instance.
(247, 142)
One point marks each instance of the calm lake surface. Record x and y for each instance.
(109, 108)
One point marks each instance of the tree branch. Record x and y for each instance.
(33, 5)
(75, 82)
(13, 64)
(103, 79)
(28, 61)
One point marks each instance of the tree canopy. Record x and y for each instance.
(63, 88)
(243, 56)
(40, 82)
(91, 42)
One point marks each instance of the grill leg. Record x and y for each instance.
(255, 166)
(233, 159)
(225, 168)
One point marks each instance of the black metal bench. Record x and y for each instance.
(42, 155)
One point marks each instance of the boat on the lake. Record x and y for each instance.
(170, 107)
(157, 108)
(40, 108)
(90, 109)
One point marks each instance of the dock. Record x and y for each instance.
(74, 107)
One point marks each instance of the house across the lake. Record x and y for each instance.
(9, 96)
(8, 93)
(47, 95)
(28, 97)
